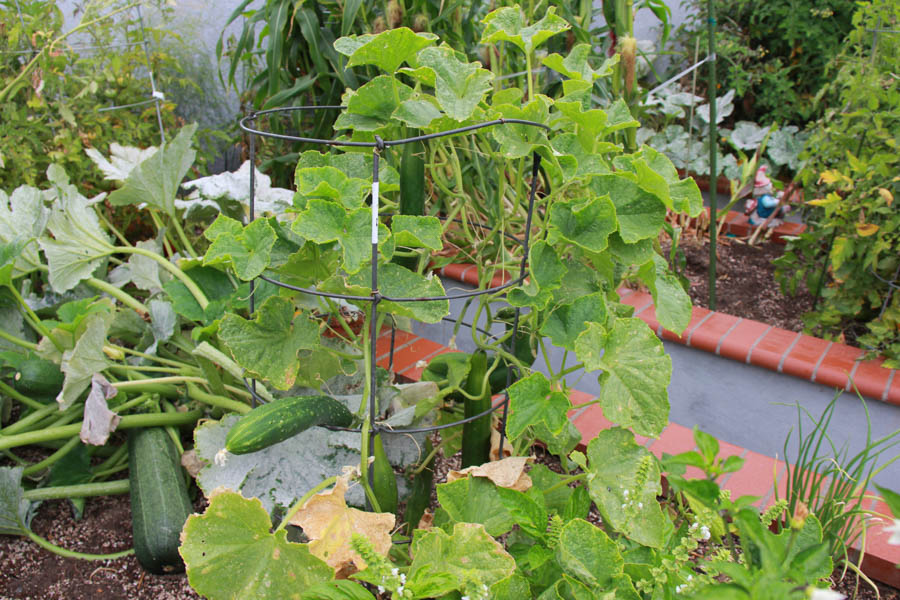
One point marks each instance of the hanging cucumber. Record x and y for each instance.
(384, 482)
(159, 500)
(476, 437)
(420, 496)
(276, 421)
(412, 186)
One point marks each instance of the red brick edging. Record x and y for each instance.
(755, 478)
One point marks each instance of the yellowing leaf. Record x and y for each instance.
(833, 177)
(819, 202)
(886, 195)
(866, 229)
(508, 473)
(329, 524)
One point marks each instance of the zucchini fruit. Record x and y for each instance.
(281, 419)
(159, 500)
(476, 435)
(38, 378)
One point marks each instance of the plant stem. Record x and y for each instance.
(82, 490)
(565, 482)
(195, 290)
(17, 341)
(294, 509)
(46, 545)
(222, 402)
(427, 460)
(32, 318)
(364, 466)
(168, 246)
(183, 237)
(128, 422)
(110, 226)
(140, 383)
(65, 449)
(20, 397)
(529, 76)
(120, 295)
(162, 361)
(112, 460)
(32, 419)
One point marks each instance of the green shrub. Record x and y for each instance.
(773, 54)
(851, 166)
(51, 114)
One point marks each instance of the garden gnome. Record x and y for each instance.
(765, 202)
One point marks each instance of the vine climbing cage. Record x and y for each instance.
(250, 125)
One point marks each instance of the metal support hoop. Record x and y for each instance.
(248, 124)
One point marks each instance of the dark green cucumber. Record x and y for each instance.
(420, 496)
(283, 418)
(38, 377)
(476, 437)
(384, 482)
(159, 501)
(412, 187)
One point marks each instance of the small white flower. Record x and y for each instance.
(689, 577)
(421, 364)
(380, 589)
(704, 533)
(623, 507)
(395, 571)
(694, 526)
(221, 457)
(815, 593)
(678, 588)
(403, 578)
(400, 590)
(640, 505)
(625, 493)
(894, 530)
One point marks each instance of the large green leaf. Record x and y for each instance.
(516, 140)
(531, 401)
(673, 305)
(155, 181)
(623, 481)
(230, 552)
(508, 24)
(417, 113)
(527, 509)
(23, 217)
(590, 124)
(636, 373)
(640, 214)
(567, 322)
(458, 86)
(331, 183)
(372, 106)
(323, 222)
(586, 553)
(467, 560)
(13, 505)
(475, 500)
(396, 282)
(587, 223)
(355, 165)
(619, 117)
(269, 346)
(387, 50)
(417, 232)
(547, 270)
(84, 360)
(246, 249)
(78, 246)
(658, 176)
(576, 65)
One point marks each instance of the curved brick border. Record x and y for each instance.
(755, 478)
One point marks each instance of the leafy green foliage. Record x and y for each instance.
(230, 552)
(849, 256)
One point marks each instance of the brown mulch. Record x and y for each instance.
(745, 281)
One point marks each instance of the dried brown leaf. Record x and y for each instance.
(508, 473)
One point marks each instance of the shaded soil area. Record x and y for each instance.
(745, 282)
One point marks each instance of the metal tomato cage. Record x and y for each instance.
(249, 125)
